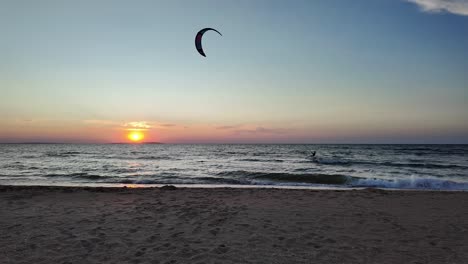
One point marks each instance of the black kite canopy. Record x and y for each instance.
(198, 40)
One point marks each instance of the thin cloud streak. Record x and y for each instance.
(458, 7)
(246, 130)
(262, 130)
(168, 125)
(227, 127)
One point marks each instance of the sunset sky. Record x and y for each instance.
(329, 71)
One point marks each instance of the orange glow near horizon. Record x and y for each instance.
(136, 136)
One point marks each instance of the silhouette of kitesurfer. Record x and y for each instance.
(314, 158)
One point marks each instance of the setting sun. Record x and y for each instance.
(136, 136)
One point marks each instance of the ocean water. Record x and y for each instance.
(436, 167)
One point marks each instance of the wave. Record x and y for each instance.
(155, 158)
(145, 157)
(30, 156)
(84, 175)
(422, 165)
(289, 177)
(138, 152)
(65, 154)
(412, 183)
(334, 179)
(17, 165)
(179, 180)
(222, 180)
(128, 181)
(268, 178)
(436, 150)
(338, 162)
(125, 170)
(339, 180)
(261, 160)
(251, 160)
(327, 161)
(80, 175)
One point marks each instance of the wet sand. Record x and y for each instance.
(116, 225)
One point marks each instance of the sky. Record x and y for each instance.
(324, 71)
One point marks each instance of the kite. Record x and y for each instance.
(198, 40)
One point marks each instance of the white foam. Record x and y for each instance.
(412, 182)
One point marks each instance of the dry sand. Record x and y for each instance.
(86, 225)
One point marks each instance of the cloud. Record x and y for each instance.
(130, 125)
(459, 7)
(226, 127)
(246, 130)
(168, 125)
(139, 125)
(262, 130)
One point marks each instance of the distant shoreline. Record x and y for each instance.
(77, 143)
(228, 143)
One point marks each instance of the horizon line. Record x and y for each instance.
(215, 143)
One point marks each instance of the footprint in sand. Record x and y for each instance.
(221, 249)
(140, 253)
(177, 234)
(151, 238)
(214, 231)
(86, 244)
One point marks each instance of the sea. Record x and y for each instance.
(420, 167)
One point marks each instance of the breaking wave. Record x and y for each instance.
(78, 175)
(412, 183)
(338, 162)
(348, 181)
(287, 177)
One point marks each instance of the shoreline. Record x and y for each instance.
(219, 186)
(231, 225)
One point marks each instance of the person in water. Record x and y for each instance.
(313, 157)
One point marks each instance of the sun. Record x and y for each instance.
(136, 136)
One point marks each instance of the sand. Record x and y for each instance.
(116, 225)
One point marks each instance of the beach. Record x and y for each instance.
(231, 225)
